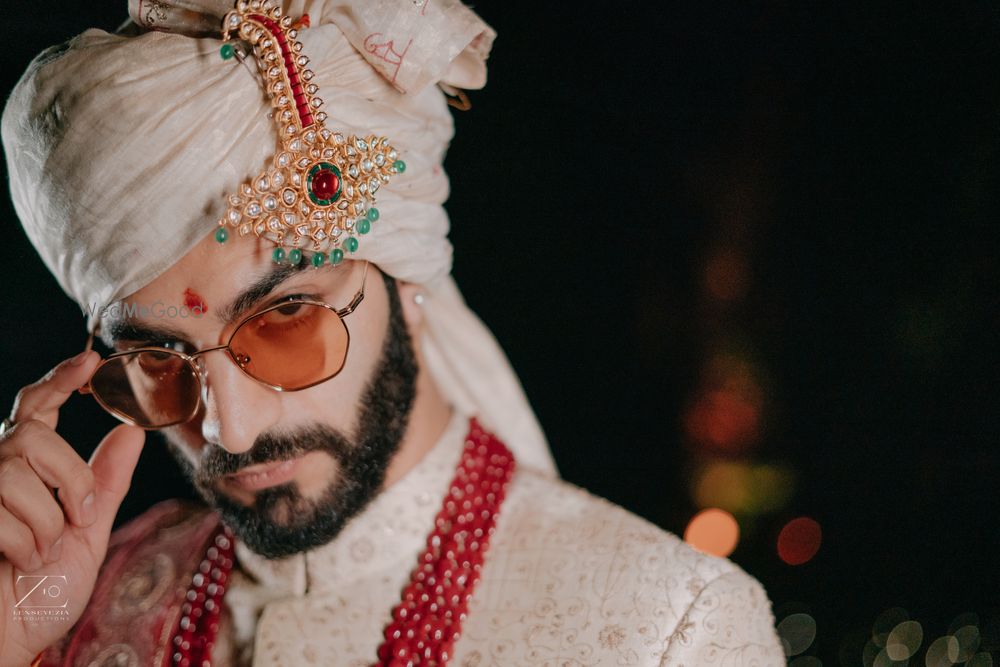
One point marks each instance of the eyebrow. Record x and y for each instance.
(257, 291)
(123, 329)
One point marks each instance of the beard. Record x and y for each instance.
(282, 521)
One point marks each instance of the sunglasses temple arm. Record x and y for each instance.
(358, 296)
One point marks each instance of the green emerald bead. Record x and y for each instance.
(226, 51)
(351, 244)
(318, 259)
(399, 165)
(373, 214)
(294, 256)
(278, 255)
(336, 256)
(221, 235)
(364, 226)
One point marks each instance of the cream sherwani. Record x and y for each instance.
(569, 579)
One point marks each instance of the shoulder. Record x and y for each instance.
(559, 514)
(634, 591)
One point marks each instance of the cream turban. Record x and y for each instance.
(122, 147)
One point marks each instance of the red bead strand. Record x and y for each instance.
(427, 621)
(198, 627)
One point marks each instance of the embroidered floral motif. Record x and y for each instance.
(683, 633)
(473, 659)
(611, 636)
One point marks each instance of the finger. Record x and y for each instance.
(113, 463)
(25, 496)
(43, 399)
(57, 464)
(17, 543)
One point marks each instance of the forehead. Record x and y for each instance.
(209, 287)
(214, 271)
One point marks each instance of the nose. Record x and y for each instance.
(237, 408)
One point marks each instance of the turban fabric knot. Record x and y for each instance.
(122, 146)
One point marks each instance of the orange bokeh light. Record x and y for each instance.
(713, 531)
(799, 540)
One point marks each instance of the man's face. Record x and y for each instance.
(284, 469)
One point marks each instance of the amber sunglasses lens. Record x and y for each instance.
(151, 389)
(292, 345)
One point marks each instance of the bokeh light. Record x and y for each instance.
(799, 540)
(980, 660)
(726, 412)
(968, 642)
(943, 652)
(883, 660)
(904, 640)
(886, 622)
(965, 629)
(742, 488)
(797, 633)
(713, 531)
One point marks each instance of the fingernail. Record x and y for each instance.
(78, 359)
(34, 562)
(88, 513)
(55, 551)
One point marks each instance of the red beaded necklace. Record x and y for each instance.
(427, 621)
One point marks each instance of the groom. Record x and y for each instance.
(376, 488)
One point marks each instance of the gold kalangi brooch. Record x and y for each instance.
(319, 193)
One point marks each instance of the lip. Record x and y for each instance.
(263, 475)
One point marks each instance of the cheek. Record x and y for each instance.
(186, 443)
(335, 401)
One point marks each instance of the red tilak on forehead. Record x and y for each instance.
(194, 300)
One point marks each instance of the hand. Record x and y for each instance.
(63, 534)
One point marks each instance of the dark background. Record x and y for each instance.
(807, 188)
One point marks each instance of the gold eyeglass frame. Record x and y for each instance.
(201, 372)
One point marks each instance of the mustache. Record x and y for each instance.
(216, 462)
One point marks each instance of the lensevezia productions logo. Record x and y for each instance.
(41, 597)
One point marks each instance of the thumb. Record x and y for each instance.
(113, 463)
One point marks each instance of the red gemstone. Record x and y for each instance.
(325, 184)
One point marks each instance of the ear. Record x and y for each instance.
(412, 312)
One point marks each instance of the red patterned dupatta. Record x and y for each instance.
(136, 604)
(159, 595)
